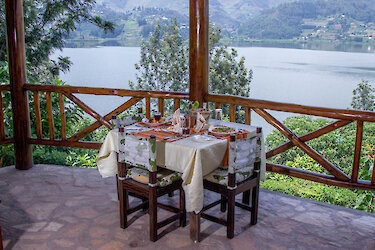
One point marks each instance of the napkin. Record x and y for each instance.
(176, 122)
(201, 123)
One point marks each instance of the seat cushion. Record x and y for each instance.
(164, 176)
(220, 175)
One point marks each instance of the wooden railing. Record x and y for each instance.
(68, 92)
(344, 117)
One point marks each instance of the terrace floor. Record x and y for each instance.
(55, 207)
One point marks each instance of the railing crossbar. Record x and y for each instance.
(303, 146)
(307, 137)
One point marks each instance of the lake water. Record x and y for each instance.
(308, 77)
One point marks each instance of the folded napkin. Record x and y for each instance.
(176, 122)
(201, 123)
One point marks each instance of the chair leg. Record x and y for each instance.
(182, 208)
(117, 186)
(124, 205)
(145, 208)
(230, 215)
(223, 204)
(152, 202)
(254, 205)
(246, 197)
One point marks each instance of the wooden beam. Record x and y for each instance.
(38, 117)
(357, 150)
(176, 104)
(2, 129)
(247, 115)
(17, 77)
(51, 125)
(317, 177)
(343, 114)
(62, 116)
(105, 91)
(148, 107)
(65, 143)
(88, 110)
(232, 113)
(373, 174)
(198, 52)
(161, 106)
(107, 117)
(303, 146)
(6, 141)
(307, 137)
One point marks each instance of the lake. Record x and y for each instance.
(307, 77)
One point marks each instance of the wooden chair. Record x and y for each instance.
(241, 176)
(138, 174)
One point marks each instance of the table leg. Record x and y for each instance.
(195, 226)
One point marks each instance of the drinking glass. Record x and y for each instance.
(157, 116)
(186, 131)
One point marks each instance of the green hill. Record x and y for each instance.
(226, 13)
(306, 19)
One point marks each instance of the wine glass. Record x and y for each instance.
(157, 116)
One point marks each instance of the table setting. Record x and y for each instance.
(189, 144)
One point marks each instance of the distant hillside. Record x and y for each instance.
(306, 19)
(226, 13)
(240, 20)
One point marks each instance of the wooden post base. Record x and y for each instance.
(195, 226)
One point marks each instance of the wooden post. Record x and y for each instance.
(17, 75)
(198, 58)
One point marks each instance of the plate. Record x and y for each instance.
(221, 130)
(134, 129)
(204, 138)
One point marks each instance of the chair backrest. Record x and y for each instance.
(243, 153)
(137, 151)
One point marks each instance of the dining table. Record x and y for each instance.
(191, 155)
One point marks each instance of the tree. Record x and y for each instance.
(164, 64)
(47, 24)
(364, 97)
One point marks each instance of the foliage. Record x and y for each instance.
(163, 61)
(286, 20)
(75, 121)
(336, 146)
(164, 64)
(311, 190)
(364, 97)
(47, 24)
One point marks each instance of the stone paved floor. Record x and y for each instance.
(54, 207)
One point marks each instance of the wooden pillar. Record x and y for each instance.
(198, 58)
(17, 74)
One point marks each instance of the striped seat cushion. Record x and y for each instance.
(220, 175)
(164, 176)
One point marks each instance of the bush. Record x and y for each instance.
(338, 147)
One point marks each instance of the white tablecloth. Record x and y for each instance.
(191, 158)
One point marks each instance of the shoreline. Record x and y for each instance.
(324, 45)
